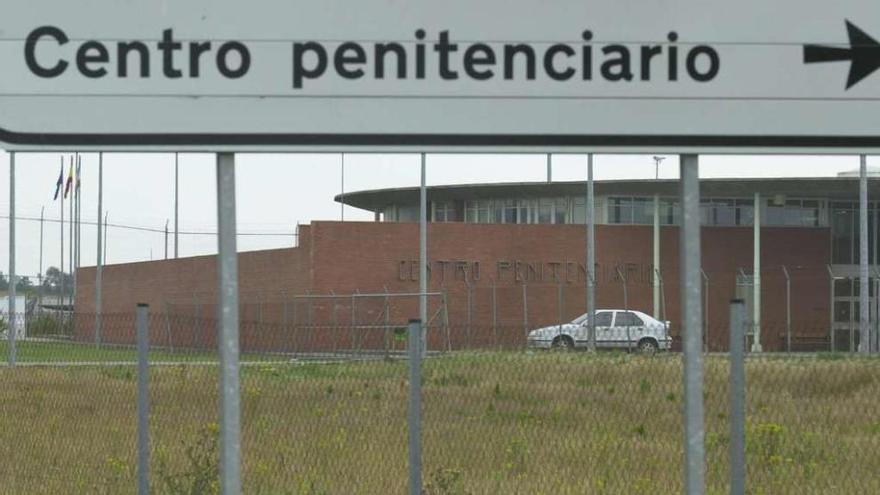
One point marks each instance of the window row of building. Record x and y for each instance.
(621, 210)
(841, 216)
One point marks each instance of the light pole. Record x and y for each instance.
(656, 270)
(657, 160)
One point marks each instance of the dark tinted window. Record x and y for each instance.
(627, 320)
(603, 319)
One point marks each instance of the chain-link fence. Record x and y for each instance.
(504, 410)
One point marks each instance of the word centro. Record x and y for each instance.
(417, 59)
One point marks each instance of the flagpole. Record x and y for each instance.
(70, 236)
(106, 214)
(176, 204)
(75, 221)
(78, 190)
(40, 288)
(99, 276)
(61, 266)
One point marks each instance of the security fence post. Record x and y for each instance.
(525, 305)
(260, 297)
(197, 323)
(787, 309)
(294, 323)
(353, 321)
(662, 294)
(334, 322)
(387, 312)
(470, 316)
(622, 277)
(311, 336)
(705, 311)
(852, 318)
(143, 399)
(446, 320)
(168, 329)
(13, 324)
(284, 319)
(415, 407)
(694, 413)
(495, 312)
(228, 323)
(737, 397)
(559, 304)
(831, 331)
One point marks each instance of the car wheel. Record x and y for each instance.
(648, 346)
(563, 343)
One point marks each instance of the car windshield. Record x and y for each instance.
(580, 320)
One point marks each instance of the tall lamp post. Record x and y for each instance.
(657, 161)
(656, 271)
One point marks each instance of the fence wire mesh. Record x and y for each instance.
(324, 401)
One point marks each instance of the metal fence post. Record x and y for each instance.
(470, 316)
(446, 320)
(415, 407)
(864, 296)
(285, 320)
(622, 277)
(260, 296)
(335, 329)
(662, 295)
(230, 385)
(787, 308)
(387, 311)
(525, 306)
(591, 255)
(13, 323)
(143, 399)
(168, 336)
(354, 333)
(705, 311)
(831, 331)
(852, 317)
(559, 308)
(737, 398)
(99, 262)
(423, 253)
(495, 312)
(694, 414)
(199, 337)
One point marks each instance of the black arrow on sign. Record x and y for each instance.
(863, 54)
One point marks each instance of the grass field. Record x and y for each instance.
(493, 423)
(34, 351)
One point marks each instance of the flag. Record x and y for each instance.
(78, 163)
(60, 180)
(69, 179)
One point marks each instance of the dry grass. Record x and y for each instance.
(494, 423)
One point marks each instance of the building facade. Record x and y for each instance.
(505, 258)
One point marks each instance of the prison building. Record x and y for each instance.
(510, 257)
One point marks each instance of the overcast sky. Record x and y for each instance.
(275, 192)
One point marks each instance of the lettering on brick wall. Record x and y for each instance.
(516, 271)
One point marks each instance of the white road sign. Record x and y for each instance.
(568, 74)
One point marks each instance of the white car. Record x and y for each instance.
(615, 328)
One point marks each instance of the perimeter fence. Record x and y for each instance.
(326, 408)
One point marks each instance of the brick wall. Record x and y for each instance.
(495, 261)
